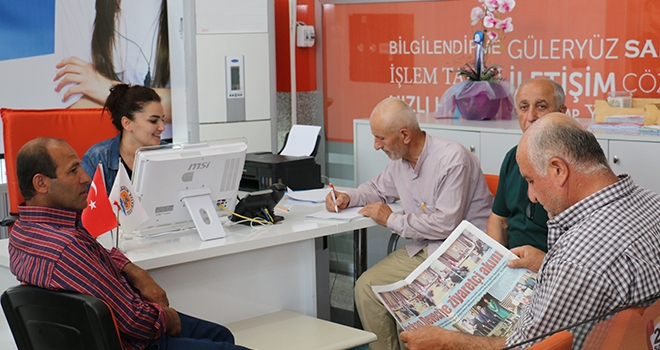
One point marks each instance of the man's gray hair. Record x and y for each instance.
(560, 97)
(569, 142)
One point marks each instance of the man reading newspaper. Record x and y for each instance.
(603, 239)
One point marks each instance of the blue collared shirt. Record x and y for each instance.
(107, 153)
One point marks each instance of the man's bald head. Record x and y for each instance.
(396, 130)
(50, 174)
(393, 114)
(34, 158)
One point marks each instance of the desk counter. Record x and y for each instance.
(186, 246)
(251, 272)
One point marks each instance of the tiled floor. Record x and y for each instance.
(341, 300)
(341, 291)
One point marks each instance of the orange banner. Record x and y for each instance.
(411, 50)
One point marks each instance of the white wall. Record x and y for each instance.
(209, 31)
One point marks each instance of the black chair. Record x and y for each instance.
(391, 245)
(45, 319)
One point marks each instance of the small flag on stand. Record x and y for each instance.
(123, 198)
(98, 217)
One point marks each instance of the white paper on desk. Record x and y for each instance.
(344, 215)
(311, 196)
(301, 140)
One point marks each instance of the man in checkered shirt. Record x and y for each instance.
(603, 239)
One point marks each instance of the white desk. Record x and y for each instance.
(249, 273)
(288, 330)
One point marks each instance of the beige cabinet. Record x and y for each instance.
(494, 146)
(640, 159)
(469, 139)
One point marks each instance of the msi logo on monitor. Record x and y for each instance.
(198, 166)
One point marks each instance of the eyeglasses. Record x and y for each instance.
(529, 211)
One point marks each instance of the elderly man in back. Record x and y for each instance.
(515, 220)
(603, 239)
(439, 184)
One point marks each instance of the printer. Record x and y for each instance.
(294, 165)
(264, 169)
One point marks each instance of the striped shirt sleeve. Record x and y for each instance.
(91, 270)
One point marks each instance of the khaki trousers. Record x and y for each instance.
(374, 316)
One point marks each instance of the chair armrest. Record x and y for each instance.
(8, 221)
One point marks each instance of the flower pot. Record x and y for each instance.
(477, 100)
(478, 107)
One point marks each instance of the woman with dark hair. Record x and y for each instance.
(128, 44)
(137, 113)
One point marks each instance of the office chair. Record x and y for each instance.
(491, 180)
(559, 341)
(632, 328)
(42, 319)
(79, 127)
(628, 327)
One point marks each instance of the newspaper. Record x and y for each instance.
(465, 285)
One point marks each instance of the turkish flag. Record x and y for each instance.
(98, 218)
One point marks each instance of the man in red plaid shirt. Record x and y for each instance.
(50, 249)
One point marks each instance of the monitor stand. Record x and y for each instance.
(201, 209)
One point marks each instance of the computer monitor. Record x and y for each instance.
(183, 183)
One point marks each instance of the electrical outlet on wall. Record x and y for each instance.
(305, 36)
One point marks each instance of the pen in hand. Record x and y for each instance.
(334, 197)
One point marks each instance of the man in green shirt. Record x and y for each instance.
(515, 220)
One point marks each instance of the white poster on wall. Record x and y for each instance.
(66, 54)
